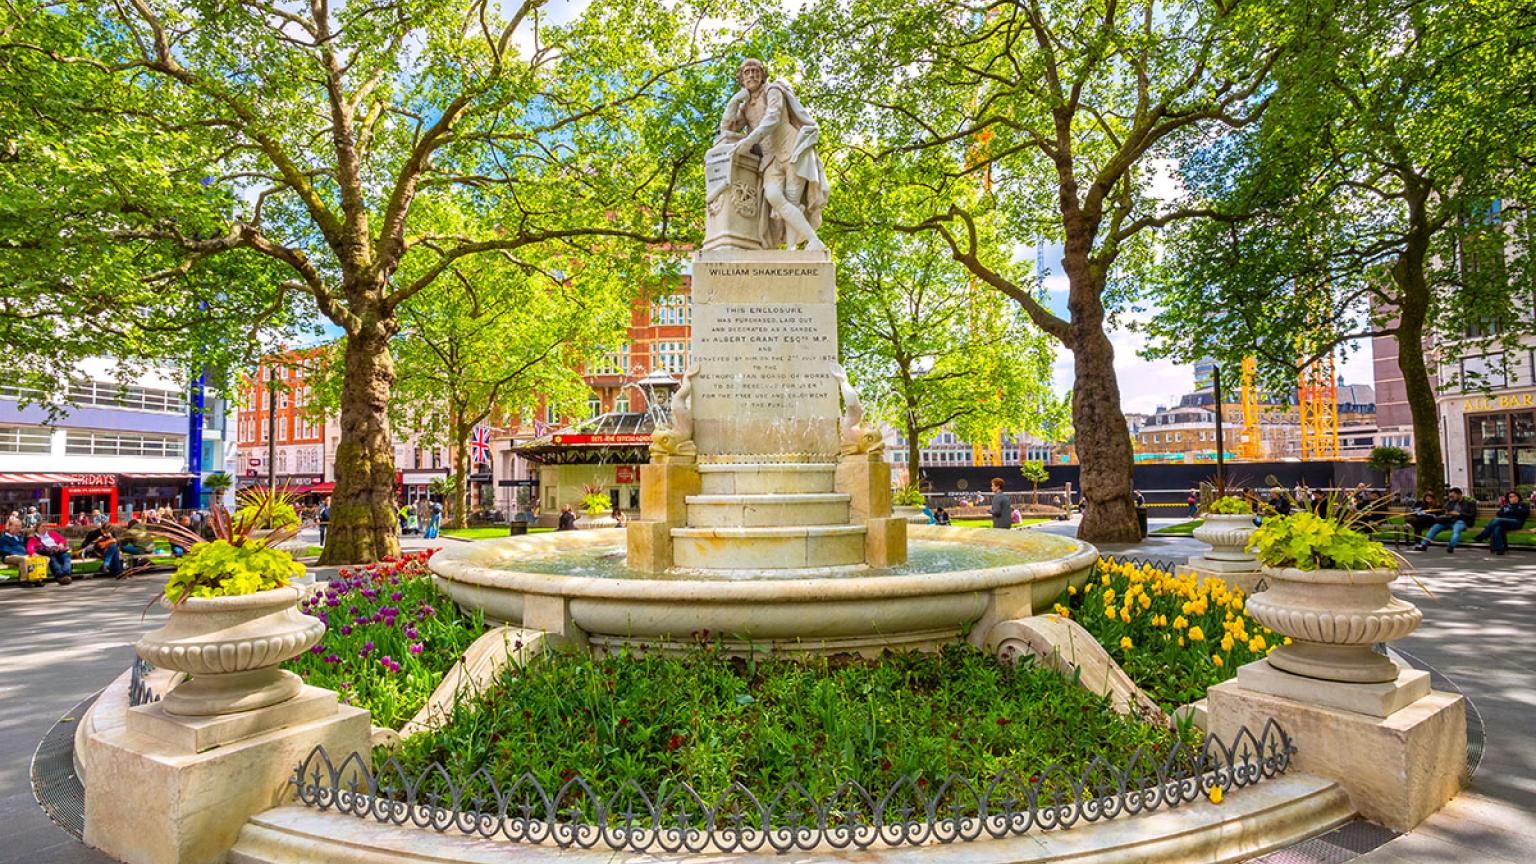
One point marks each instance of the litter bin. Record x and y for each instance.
(1141, 521)
(516, 527)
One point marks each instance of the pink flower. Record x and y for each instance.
(416, 647)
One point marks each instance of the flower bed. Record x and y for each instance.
(1174, 637)
(390, 637)
(708, 720)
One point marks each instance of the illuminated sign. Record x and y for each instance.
(624, 474)
(1503, 401)
(618, 438)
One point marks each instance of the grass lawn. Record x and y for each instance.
(1183, 529)
(485, 532)
(987, 523)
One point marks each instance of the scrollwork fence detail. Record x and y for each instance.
(139, 691)
(677, 818)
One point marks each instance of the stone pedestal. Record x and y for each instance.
(1397, 769)
(765, 342)
(664, 491)
(735, 209)
(866, 479)
(162, 789)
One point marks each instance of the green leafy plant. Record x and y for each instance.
(1311, 542)
(594, 500)
(908, 496)
(1387, 460)
(1036, 473)
(1230, 505)
(767, 720)
(267, 508)
(231, 564)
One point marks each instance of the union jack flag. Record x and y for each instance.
(539, 428)
(480, 445)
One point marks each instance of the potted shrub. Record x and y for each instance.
(1227, 525)
(234, 618)
(907, 503)
(1328, 591)
(597, 505)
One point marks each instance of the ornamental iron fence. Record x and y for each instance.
(139, 691)
(678, 818)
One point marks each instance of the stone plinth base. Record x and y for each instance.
(885, 542)
(197, 734)
(664, 491)
(1244, 575)
(1375, 700)
(1397, 769)
(150, 801)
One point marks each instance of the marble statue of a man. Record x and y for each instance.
(766, 115)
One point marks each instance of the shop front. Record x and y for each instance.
(605, 454)
(1500, 443)
(74, 498)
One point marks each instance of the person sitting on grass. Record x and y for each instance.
(1460, 512)
(1511, 517)
(941, 516)
(52, 545)
(101, 542)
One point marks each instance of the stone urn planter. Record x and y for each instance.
(915, 515)
(1227, 534)
(1333, 618)
(231, 648)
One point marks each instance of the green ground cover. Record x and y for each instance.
(390, 638)
(1183, 529)
(987, 523)
(485, 532)
(818, 720)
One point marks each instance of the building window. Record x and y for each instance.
(21, 393)
(1501, 449)
(108, 394)
(1486, 372)
(671, 309)
(612, 362)
(25, 439)
(91, 443)
(671, 356)
(621, 404)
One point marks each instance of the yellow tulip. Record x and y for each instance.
(1214, 794)
(1196, 634)
(1216, 658)
(1125, 643)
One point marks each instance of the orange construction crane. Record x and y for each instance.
(1318, 397)
(1251, 447)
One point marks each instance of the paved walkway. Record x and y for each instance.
(65, 643)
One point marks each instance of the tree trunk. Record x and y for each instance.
(1429, 460)
(1103, 447)
(363, 524)
(914, 453)
(459, 514)
(1408, 272)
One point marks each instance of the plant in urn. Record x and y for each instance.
(234, 618)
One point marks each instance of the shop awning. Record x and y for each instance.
(29, 479)
(321, 488)
(174, 475)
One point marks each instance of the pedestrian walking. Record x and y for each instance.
(1193, 500)
(1001, 509)
(435, 520)
(323, 518)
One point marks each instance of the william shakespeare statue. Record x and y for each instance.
(765, 153)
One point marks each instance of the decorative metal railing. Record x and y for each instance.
(139, 691)
(677, 818)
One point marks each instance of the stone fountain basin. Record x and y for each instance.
(817, 613)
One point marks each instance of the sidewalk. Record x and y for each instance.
(66, 642)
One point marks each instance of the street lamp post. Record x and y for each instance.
(1221, 444)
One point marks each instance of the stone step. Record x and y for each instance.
(766, 510)
(765, 548)
(765, 478)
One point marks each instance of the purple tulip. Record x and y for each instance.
(367, 649)
(396, 596)
(346, 629)
(416, 647)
